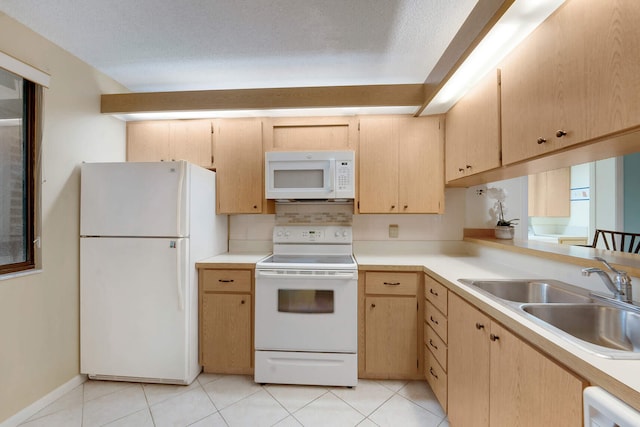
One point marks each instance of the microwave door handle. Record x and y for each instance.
(332, 176)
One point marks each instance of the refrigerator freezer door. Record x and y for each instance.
(134, 199)
(135, 308)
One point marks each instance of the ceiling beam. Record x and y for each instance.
(256, 99)
(482, 18)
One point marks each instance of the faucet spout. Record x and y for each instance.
(621, 287)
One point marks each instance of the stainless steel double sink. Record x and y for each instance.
(600, 327)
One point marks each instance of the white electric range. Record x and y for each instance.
(306, 308)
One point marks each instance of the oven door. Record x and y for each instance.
(306, 310)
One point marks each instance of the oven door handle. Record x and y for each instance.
(295, 274)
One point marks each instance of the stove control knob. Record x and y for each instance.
(287, 234)
(279, 234)
(344, 233)
(337, 234)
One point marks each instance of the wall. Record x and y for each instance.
(632, 193)
(254, 232)
(39, 313)
(481, 210)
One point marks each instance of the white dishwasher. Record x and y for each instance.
(602, 409)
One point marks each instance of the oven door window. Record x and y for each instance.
(305, 301)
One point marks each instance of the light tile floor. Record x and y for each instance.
(235, 400)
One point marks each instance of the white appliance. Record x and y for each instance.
(322, 175)
(143, 226)
(306, 308)
(602, 409)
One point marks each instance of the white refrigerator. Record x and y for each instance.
(142, 228)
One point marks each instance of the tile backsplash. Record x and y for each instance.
(326, 213)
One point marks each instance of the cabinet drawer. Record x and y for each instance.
(436, 377)
(226, 280)
(436, 346)
(436, 320)
(435, 293)
(391, 283)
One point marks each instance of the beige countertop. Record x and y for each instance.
(232, 260)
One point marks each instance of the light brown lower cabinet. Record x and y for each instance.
(390, 326)
(435, 338)
(226, 321)
(496, 379)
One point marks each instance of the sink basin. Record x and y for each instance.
(531, 291)
(602, 325)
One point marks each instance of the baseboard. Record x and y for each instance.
(43, 402)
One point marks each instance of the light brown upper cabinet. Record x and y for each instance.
(473, 130)
(310, 133)
(567, 83)
(550, 193)
(238, 159)
(168, 140)
(401, 164)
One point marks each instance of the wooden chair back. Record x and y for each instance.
(618, 241)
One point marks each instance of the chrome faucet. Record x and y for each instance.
(621, 288)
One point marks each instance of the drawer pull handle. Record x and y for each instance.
(434, 320)
(432, 344)
(242, 302)
(493, 337)
(225, 280)
(391, 283)
(432, 373)
(432, 292)
(479, 326)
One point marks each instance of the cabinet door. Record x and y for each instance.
(420, 165)
(239, 166)
(473, 130)
(226, 344)
(378, 161)
(549, 193)
(148, 141)
(391, 337)
(527, 388)
(468, 364)
(191, 140)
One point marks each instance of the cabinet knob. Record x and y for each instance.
(406, 206)
(541, 140)
(460, 170)
(479, 326)
(242, 302)
(433, 373)
(468, 166)
(393, 207)
(255, 207)
(493, 337)
(373, 306)
(560, 133)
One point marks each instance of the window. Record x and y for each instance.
(19, 113)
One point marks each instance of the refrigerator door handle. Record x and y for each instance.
(180, 195)
(179, 278)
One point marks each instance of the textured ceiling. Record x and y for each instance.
(171, 45)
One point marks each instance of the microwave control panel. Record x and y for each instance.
(344, 174)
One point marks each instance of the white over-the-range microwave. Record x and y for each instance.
(323, 175)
